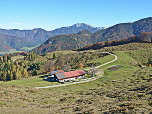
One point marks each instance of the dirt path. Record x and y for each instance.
(91, 79)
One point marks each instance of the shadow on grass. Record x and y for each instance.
(44, 76)
(49, 79)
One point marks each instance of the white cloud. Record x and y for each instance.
(17, 23)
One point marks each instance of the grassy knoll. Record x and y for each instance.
(126, 89)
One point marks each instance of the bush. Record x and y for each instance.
(34, 73)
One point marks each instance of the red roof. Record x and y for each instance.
(74, 73)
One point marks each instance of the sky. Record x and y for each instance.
(52, 14)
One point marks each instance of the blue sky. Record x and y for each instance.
(52, 14)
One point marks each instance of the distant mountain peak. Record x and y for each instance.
(87, 25)
(36, 28)
(78, 24)
(82, 24)
(101, 27)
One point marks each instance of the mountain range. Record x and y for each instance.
(85, 37)
(70, 37)
(39, 35)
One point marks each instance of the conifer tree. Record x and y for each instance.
(54, 57)
(1, 76)
(18, 73)
(34, 73)
(14, 74)
(1, 59)
(12, 66)
(25, 73)
(4, 58)
(8, 75)
(4, 76)
(9, 57)
(30, 57)
(45, 53)
(11, 76)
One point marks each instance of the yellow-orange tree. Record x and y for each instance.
(81, 65)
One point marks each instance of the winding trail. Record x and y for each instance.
(91, 79)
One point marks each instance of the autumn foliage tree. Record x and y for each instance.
(149, 63)
(144, 36)
(81, 65)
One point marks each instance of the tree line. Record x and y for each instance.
(19, 68)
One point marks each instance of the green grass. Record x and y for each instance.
(28, 48)
(35, 81)
(123, 59)
(102, 60)
(140, 56)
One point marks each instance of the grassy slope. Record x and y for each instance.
(141, 56)
(36, 81)
(96, 95)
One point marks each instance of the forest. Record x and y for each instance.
(19, 68)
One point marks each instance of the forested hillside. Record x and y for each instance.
(13, 42)
(123, 30)
(143, 37)
(114, 33)
(65, 42)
